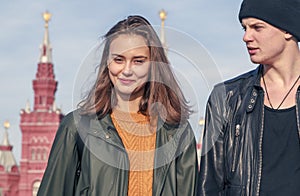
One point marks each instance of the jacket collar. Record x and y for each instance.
(252, 100)
(104, 129)
(258, 73)
(167, 140)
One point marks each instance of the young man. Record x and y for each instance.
(251, 144)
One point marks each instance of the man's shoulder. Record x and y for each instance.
(252, 74)
(237, 85)
(242, 79)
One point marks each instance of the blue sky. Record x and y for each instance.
(204, 37)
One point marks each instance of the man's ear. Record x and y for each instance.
(288, 36)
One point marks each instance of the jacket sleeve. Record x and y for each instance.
(187, 165)
(211, 171)
(58, 179)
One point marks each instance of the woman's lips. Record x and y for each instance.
(126, 81)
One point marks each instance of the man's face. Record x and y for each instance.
(265, 43)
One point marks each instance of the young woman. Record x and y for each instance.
(130, 135)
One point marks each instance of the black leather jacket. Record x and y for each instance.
(231, 162)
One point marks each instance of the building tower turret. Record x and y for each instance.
(44, 85)
(39, 125)
(9, 171)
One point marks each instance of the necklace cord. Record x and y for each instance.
(268, 97)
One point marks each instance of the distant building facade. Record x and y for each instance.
(9, 170)
(38, 127)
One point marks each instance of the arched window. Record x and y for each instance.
(38, 154)
(45, 157)
(32, 154)
(35, 187)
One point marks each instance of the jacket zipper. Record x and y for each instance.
(297, 116)
(122, 148)
(260, 152)
(236, 140)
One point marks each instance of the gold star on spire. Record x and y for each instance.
(6, 124)
(163, 14)
(47, 17)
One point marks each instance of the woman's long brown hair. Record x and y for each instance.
(161, 88)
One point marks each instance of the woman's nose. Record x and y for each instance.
(127, 70)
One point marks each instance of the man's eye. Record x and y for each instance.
(257, 28)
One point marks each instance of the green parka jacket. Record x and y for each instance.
(104, 162)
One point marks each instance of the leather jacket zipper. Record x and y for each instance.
(235, 147)
(260, 152)
(297, 114)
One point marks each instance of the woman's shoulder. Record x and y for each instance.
(178, 128)
(70, 118)
(70, 121)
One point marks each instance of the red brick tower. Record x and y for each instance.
(9, 171)
(39, 125)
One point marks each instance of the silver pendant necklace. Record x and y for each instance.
(268, 97)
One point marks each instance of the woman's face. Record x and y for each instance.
(129, 64)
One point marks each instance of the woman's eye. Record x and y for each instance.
(118, 60)
(139, 61)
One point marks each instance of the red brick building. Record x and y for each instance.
(38, 127)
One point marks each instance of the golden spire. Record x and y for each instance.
(47, 17)
(163, 16)
(46, 50)
(5, 141)
(6, 125)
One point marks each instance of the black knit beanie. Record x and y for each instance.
(283, 14)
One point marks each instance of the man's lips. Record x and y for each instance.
(252, 50)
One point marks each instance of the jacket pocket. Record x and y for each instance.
(85, 191)
(236, 146)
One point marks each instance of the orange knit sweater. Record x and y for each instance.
(139, 139)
